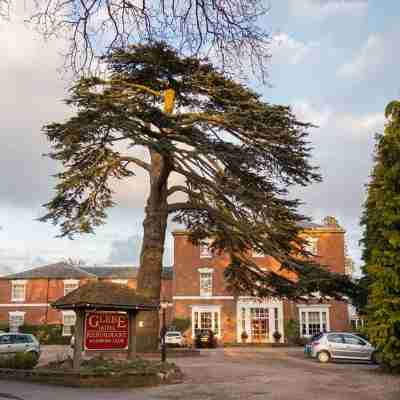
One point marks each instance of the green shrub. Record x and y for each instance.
(19, 361)
(4, 326)
(292, 331)
(180, 324)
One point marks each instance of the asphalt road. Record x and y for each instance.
(237, 373)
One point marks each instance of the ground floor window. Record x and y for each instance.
(68, 322)
(356, 323)
(206, 318)
(313, 321)
(16, 319)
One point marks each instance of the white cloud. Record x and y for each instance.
(321, 9)
(379, 51)
(343, 149)
(285, 49)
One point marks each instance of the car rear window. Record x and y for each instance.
(177, 334)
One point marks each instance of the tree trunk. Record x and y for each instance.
(151, 257)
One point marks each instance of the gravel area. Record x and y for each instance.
(240, 373)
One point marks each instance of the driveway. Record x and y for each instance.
(243, 373)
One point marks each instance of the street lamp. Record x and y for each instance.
(164, 304)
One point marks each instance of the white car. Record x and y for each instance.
(175, 338)
(12, 343)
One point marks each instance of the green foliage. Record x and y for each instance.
(46, 334)
(19, 361)
(181, 324)
(292, 331)
(236, 154)
(381, 241)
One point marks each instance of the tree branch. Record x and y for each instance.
(136, 161)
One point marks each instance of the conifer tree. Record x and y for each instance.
(230, 155)
(381, 240)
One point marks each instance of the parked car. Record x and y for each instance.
(175, 338)
(341, 345)
(12, 343)
(205, 338)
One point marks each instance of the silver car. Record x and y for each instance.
(12, 343)
(341, 345)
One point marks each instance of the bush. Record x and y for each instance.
(4, 326)
(292, 331)
(46, 334)
(20, 361)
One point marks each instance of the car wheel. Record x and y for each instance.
(323, 357)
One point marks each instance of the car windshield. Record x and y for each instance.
(173, 334)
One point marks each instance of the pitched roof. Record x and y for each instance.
(63, 270)
(122, 272)
(60, 270)
(105, 296)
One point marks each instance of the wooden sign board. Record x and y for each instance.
(106, 331)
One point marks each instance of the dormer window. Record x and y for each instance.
(70, 285)
(206, 282)
(311, 245)
(18, 290)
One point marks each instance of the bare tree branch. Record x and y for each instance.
(227, 31)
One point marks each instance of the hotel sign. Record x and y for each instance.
(106, 331)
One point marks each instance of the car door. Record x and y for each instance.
(20, 343)
(5, 344)
(336, 345)
(356, 347)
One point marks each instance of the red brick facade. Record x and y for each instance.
(229, 317)
(211, 306)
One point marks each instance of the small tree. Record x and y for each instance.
(232, 157)
(381, 240)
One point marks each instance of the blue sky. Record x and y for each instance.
(334, 61)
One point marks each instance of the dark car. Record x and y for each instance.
(205, 339)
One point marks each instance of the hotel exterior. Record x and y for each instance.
(195, 285)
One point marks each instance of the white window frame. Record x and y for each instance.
(209, 309)
(203, 291)
(120, 281)
(312, 245)
(307, 309)
(66, 330)
(18, 314)
(70, 282)
(18, 283)
(204, 250)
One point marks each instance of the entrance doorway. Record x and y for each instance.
(259, 322)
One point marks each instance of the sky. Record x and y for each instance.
(334, 61)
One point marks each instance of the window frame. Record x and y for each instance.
(15, 283)
(311, 245)
(204, 249)
(206, 292)
(66, 328)
(311, 309)
(215, 312)
(70, 282)
(20, 315)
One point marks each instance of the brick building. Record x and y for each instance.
(196, 287)
(25, 297)
(200, 294)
